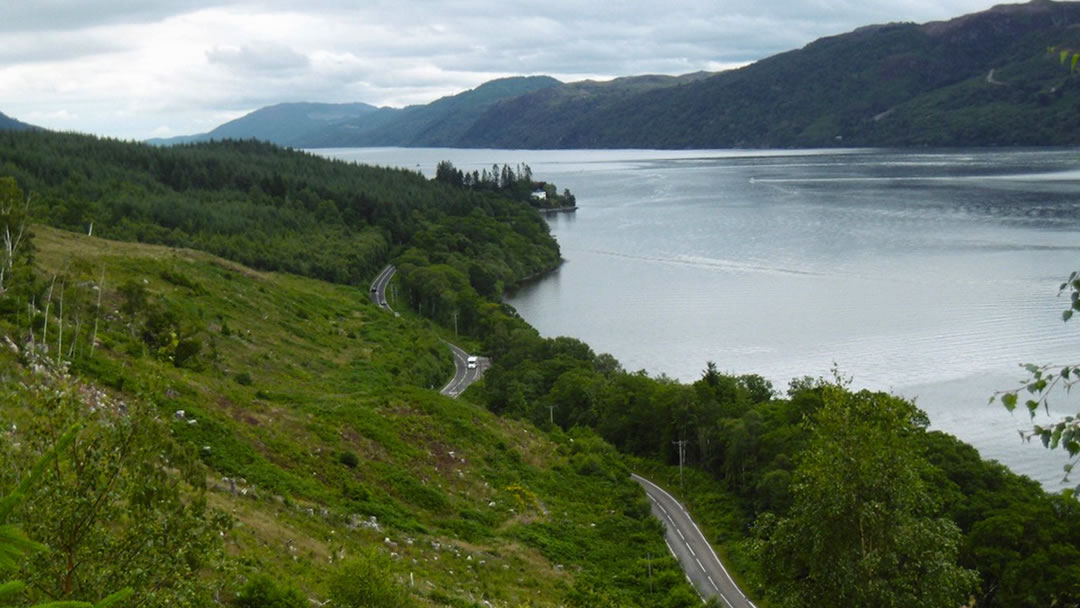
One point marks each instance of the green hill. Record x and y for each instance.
(10, 124)
(315, 403)
(284, 124)
(238, 432)
(439, 123)
(981, 79)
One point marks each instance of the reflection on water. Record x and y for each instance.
(931, 274)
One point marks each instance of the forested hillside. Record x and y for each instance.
(266, 207)
(8, 123)
(283, 437)
(284, 123)
(987, 78)
(981, 79)
(439, 123)
(241, 437)
(254, 439)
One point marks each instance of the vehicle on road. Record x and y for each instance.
(471, 362)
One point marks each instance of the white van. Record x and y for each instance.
(471, 362)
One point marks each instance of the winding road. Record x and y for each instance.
(689, 546)
(684, 539)
(378, 287)
(463, 374)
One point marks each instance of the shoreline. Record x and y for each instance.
(553, 210)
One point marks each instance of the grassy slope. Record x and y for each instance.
(330, 374)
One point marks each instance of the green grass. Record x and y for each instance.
(293, 373)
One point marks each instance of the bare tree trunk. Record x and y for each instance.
(60, 336)
(97, 314)
(75, 336)
(31, 306)
(11, 243)
(48, 302)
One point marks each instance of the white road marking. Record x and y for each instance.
(702, 537)
(691, 550)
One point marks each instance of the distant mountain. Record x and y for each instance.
(539, 119)
(283, 123)
(8, 123)
(981, 79)
(442, 122)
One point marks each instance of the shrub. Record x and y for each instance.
(366, 581)
(186, 352)
(262, 592)
(243, 378)
(349, 459)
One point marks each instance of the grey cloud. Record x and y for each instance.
(401, 51)
(52, 46)
(263, 57)
(67, 15)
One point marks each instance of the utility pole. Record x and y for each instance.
(455, 323)
(648, 560)
(551, 414)
(682, 456)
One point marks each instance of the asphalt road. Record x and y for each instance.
(688, 545)
(378, 287)
(463, 376)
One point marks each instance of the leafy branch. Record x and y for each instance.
(14, 544)
(1044, 380)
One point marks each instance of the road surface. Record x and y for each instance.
(378, 287)
(688, 545)
(463, 375)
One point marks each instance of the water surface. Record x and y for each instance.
(929, 274)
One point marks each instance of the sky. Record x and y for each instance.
(135, 69)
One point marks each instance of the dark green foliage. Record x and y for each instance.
(517, 185)
(263, 591)
(981, 79)
(16, 247)
(367, 581)
(121, 505)
(442, 122)
(243, 378)
(750, 442)
(266, 207)
(349, 459)
(863, 529)
(186, 352)
(7, 122)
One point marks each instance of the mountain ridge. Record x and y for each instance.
(980, 79)
(8, 123)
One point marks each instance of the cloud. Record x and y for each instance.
(67, 15)
(55, 116)
(258, 57)
(42, 47)
(131, 67)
